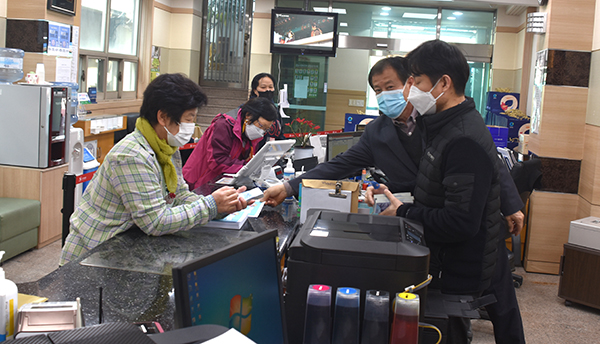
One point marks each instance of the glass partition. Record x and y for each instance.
(478, 84)
(93, 23)
(472, 27)
(124, 16)
(413, 26)
(306, 80)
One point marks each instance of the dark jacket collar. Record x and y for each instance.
(434, 123)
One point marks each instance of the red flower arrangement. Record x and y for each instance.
(302, 129)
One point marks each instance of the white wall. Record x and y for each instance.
(593, 105)
(349, 70)
(260, 56)
(2, 23)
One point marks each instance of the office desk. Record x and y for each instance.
(134, 270)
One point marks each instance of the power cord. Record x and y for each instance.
(426, 325)
(413, 288)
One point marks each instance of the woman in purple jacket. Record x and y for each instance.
(229, 142)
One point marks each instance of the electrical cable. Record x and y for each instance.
(426, 325)
(413, 288)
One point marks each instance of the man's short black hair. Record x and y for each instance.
(396, 62)
(436, 58)
(256, 79)
(259, 107)
(173, 94)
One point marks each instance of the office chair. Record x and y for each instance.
(131, 118)
(527, 176)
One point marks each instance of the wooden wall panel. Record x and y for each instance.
(11, 187)
(337, 107)
(36, 9)
(114, 107)
(589, 182)
(586, 209)
(52, 201)
(44, 185)
(570, 24)
(549, 219)
(562, 123)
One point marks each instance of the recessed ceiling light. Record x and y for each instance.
(343, 34)
(384, 14)
(386, 8)
(333, 10)
(457, 13)
(419, 15)
(451, 18)
(343, 24)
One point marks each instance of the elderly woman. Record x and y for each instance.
(229, 142)
(140, 181)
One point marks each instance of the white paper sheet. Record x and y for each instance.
(231, 336)
(63, 69)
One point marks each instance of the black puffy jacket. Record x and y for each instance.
(463, 257)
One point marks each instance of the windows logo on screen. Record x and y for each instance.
(240, 313)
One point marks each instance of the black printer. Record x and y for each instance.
(353, 250)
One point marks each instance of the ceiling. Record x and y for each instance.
(461, 4)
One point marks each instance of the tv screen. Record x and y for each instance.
(238, 287)
(303, 33)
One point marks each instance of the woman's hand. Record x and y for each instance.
(228, 200)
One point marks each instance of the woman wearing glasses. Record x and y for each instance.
(229, 142)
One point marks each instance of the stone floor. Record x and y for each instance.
(545, 317)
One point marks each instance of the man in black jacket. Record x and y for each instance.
(457, 193)
(389, 144)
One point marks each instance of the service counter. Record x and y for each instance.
(131, 272)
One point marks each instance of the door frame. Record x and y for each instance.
(248, 16)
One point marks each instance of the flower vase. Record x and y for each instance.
(303, 152)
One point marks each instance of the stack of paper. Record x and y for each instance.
(236, 220)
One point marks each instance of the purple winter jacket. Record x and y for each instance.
(223, 148)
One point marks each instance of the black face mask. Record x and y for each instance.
(266, 94)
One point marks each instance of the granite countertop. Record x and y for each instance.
(134, 269)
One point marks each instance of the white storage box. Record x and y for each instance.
(585, 232)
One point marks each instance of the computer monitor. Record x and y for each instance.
(238, 286)
(340, 142)
(266, 156)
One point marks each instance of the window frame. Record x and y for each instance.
(84, 55)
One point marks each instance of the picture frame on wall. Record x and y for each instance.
(62, 6)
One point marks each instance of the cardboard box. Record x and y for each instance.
(516, 127)
(498, 102)
(317, 194)
(499, 134)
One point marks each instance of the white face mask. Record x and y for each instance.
(253, 132)
(186, 130)
(424, 102)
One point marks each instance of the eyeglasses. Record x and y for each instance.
(262, 125)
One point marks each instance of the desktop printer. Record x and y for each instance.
(353, 250)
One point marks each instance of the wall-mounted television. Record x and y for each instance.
(62, 6)
(298, 32)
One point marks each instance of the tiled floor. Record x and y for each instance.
(546, 318)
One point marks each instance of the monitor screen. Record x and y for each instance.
(300, 32)
(267, 155)
(238, 287)
(340, 142)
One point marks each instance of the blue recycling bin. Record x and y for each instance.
(90, 164)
